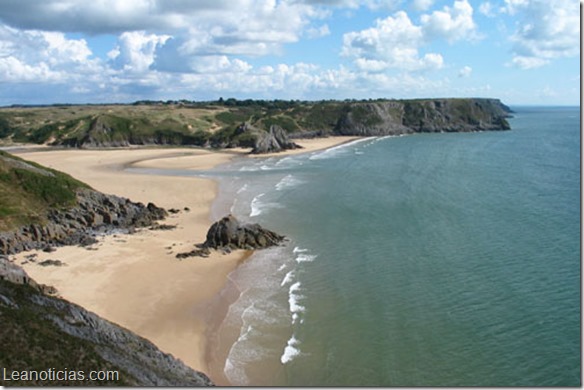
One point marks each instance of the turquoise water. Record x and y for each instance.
(424, 260)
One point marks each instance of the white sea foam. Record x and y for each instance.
(291, 350)
(256, 206)
(294, 299)
(288, 278)
(297, 249)
(335, 150)
(303, 258)
(249, 169)
(287, 182)
(242, 189)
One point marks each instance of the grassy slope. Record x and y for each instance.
(31, 342)
(28, 190)
(152, 123)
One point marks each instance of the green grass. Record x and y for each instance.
(32, 342)
(26, 195)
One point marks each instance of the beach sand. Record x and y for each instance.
(135, 280)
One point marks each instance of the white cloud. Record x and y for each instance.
(319, 32)
(392, 43)
(36, 56)
(465, 71)
(451, 23)
(548, 29)
(422, 5)
(511, 6)
(135, 50)
(251, 27)
(487, 9)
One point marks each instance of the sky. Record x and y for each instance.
(525, 52)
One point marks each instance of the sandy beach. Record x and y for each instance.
(135, 280)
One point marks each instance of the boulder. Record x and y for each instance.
(228, 232)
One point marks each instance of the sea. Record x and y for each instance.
(449, 259)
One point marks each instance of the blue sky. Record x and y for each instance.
(77, 51)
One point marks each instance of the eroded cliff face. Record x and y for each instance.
(418, 116)
(94, 213)
(39, 332)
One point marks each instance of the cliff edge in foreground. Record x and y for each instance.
(41, 333)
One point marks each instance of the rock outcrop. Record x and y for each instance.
(95, 213)
(51, 332)
(275, 140)
(12, 273)
(228, 232)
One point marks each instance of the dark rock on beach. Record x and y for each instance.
(229, 232)
(94, 213)
(274, 140)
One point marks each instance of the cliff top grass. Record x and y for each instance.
(31, 342)
(28, 190)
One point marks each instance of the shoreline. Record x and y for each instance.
(135, 280)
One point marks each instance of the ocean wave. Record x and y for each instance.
(243, 188)
(303, 258)
(336, 150)
(294, 299)
(288, 162)
(291, 351)
(249, 169)
(288, 278)
(287, 182)
(297, 249)
(256, 208)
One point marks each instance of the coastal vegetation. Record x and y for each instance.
(216, 123)
(28, 191)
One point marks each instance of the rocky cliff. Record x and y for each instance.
(94, 213)
(40, 332)
(41, 207)
(428, 115)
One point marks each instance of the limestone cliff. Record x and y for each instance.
(418, 116)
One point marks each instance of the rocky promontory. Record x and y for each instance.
(95, 213)
(422, 116)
